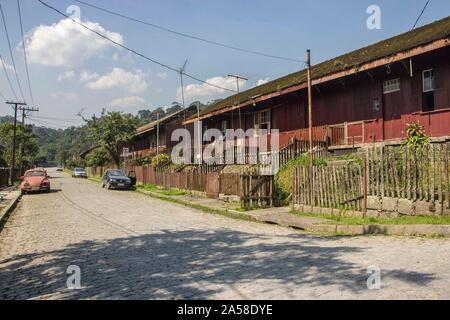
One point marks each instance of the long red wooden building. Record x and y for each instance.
(368, 95)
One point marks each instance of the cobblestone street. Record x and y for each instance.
(130, 246)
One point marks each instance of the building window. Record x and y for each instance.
(391, 86)
(428, 90)
(262, 121)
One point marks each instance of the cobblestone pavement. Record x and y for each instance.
(130, 246)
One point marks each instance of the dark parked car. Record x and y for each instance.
(117, 179)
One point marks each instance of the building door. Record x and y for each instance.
(393, 107)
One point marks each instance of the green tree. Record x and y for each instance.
(113, 130)
(98, 158)
(26, 140)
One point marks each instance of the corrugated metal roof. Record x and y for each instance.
(420, 36)
(152, 125)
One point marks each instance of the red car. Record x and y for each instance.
(35, 180)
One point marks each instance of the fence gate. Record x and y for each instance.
(339, 187)
(256, 191)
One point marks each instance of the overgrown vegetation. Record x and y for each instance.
(160, 190)
(26, 143)
(98, 158)
(283, 179)
(415, 136)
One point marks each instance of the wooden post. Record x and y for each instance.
(364, 186)
(308, 63)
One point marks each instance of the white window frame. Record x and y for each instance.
(423, 81)
(259, 122)
(392, 85)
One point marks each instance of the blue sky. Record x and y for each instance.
(71, 71)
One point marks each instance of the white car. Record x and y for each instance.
(79, 173)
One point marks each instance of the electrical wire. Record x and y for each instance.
(48, 124)
(11, 52)
(3, 97)
(25, 53)
(134, 51)
(421, 14)
(190, 36)
(57, 119)
(7, 78)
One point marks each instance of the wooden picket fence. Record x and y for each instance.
(339, 187)
(298, 148)
(229, 183)
(416, 174)
(409, 173)
(256, 191)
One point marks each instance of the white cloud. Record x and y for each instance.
(86, 76)
(7, 66)
(67, 96)
(162, 75)
(67, 44)
(262, 81)
(66, 76)
(128, 102)
(205, 91)
(132, 82)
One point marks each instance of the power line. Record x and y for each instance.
(421, 14)
(7, 78)
(189, 35)
(57, 119)
(47, 124)
(3, 97)
(25, 52)
(134, 51)
(11, 52)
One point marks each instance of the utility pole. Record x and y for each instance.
(308, 64)
(157, 139)
(16, 105)
(24, 110)
(238, 77)
(181, 72)
(199, 133)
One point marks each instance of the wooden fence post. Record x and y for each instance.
(364, 187)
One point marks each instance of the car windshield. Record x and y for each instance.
(116, 173)
(79, 170)
(35, 174)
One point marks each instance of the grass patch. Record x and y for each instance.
(172, 199)
(162, 191)
(404, 220)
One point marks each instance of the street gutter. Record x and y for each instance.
(282, 217)
(6, 212)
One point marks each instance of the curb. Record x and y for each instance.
(6, 212)
(227, 213)
(424, 230)
(329, 229)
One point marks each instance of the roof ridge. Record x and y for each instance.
(414, 38)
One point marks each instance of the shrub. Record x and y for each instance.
(160, 160)
(416, 136)
(283, 179)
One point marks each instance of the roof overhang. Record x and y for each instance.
(406, 54)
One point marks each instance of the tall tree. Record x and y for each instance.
(113, 130)
(26, 140)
